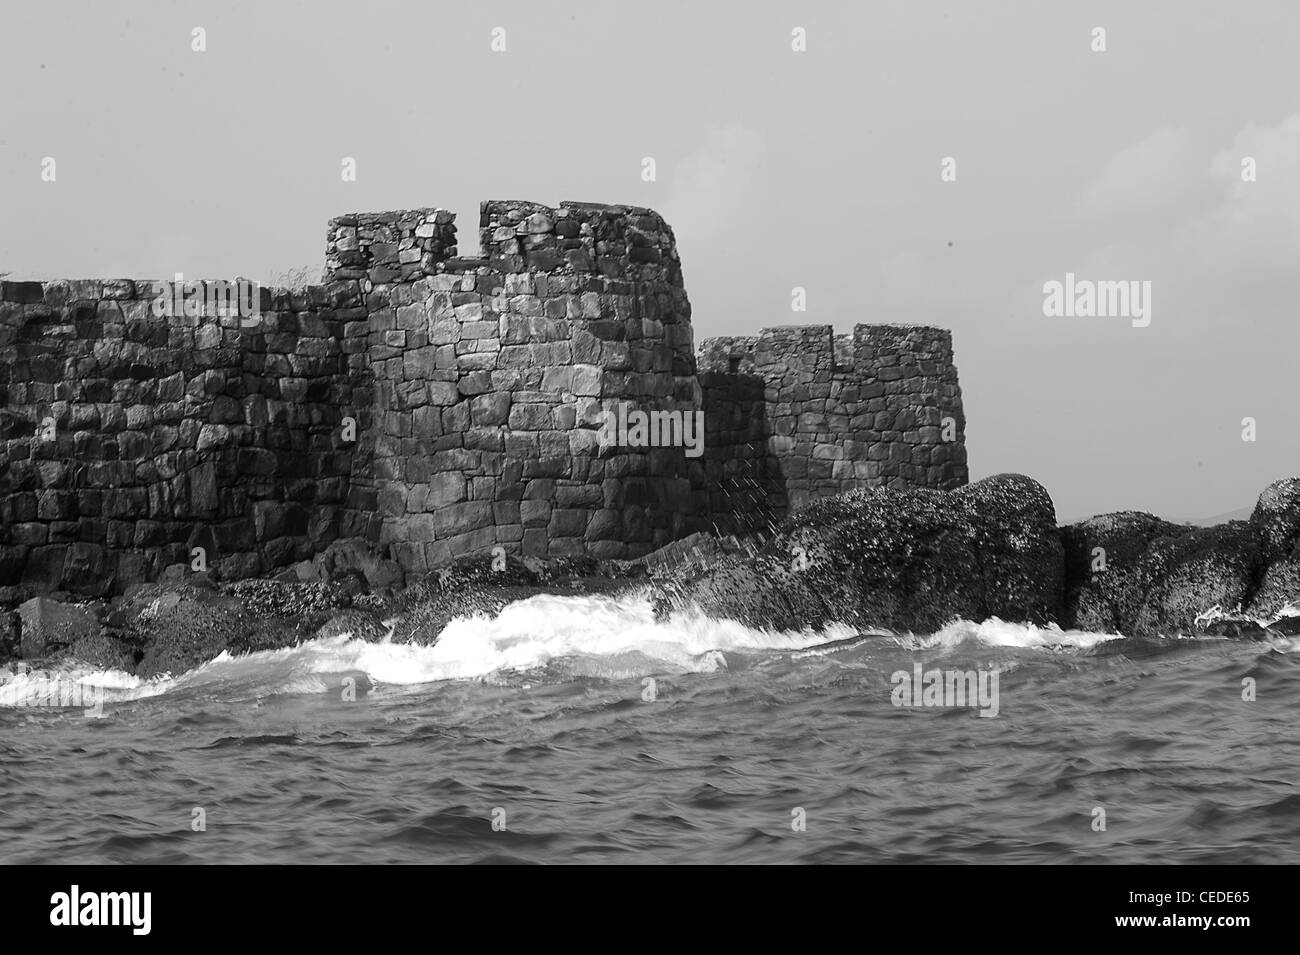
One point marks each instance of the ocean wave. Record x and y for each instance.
(611, 637)
(70, 685)
(994, 632)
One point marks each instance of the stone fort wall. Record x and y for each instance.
(797, 413)
(434, 405)
(130, 439)
(491, 375)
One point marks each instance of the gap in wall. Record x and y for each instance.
(467, 238)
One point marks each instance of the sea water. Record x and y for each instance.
(582, 729)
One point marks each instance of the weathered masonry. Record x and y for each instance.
(797, 413)
(435, 406)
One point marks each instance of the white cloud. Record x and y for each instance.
(1162, 176)
(1181, 210)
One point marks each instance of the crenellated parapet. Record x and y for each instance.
(799, 412)
(541, 398)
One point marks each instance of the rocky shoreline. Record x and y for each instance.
(877, 559)
(912, 560)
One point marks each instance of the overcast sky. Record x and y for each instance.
(777, 169)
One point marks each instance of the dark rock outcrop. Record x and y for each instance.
(1186, 575)
(276, 598)
(49, 626)
(1021, 560)
(351, 560)
(1277, 519)
(905, 559)
(1135, 574)
(1138, 575)
(358, 623)
(1103, 588)
(182, 628)
(104, 651)
(1279, 588)
(1287, 626)
(173, 627)
(11, 632)
(914, 560)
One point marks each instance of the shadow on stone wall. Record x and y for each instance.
(744, 479)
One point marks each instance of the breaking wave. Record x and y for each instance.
(582, 636)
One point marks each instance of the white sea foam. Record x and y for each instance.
(607, 632)
(606, 636)
(1288, 610)
(994, 632)
(41, 687)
